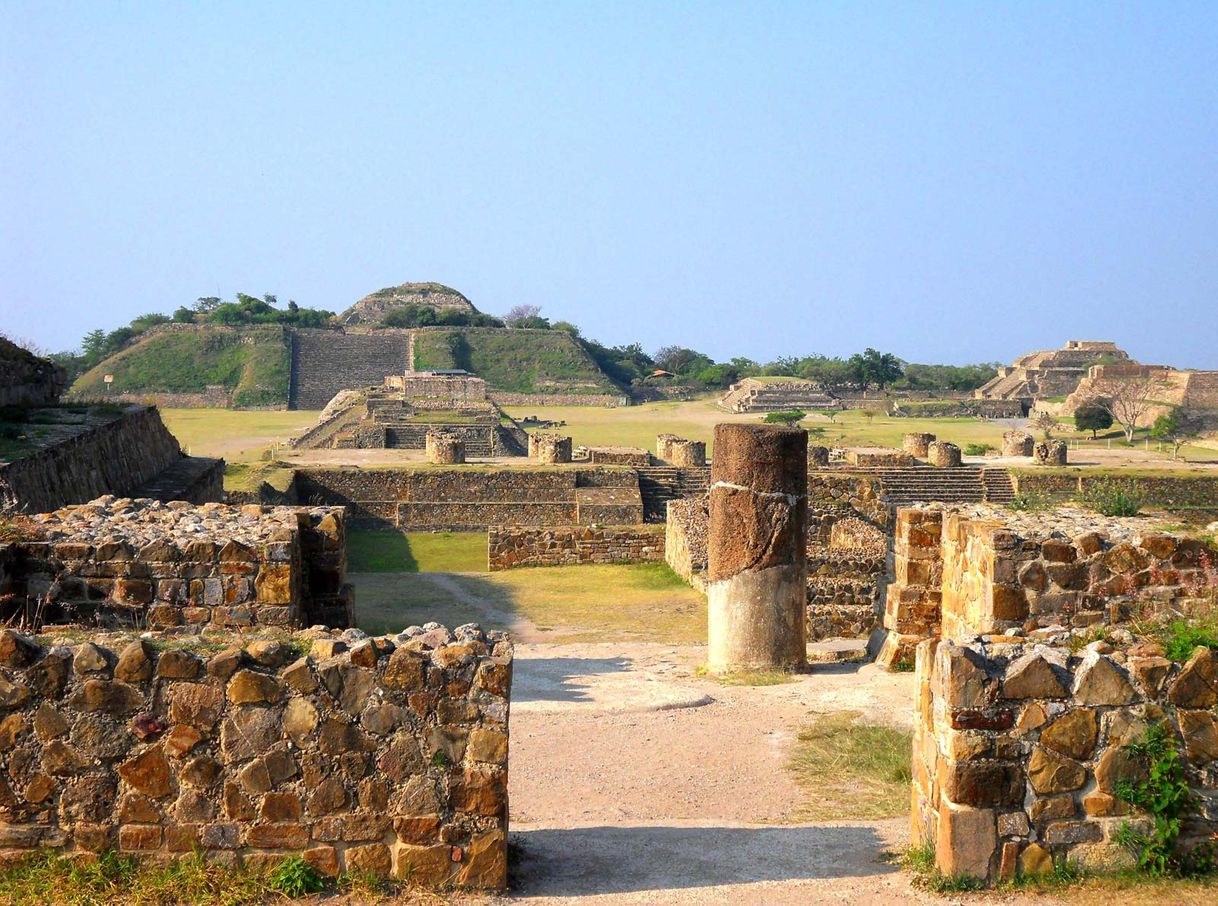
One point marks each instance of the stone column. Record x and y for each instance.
(687, 453)
(818, 456)
(664, 446)
(550, 448)
(943, 454)
(444, 448)
(1017, 443)
(1051, 453)
(757, 571)
(918, 444)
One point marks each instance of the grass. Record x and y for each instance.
(851, 770)
(121, 880)
(237, 436)
(416, 552)
(253, 364)
(750, 677)
(639, 602)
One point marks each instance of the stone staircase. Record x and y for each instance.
(327, 361)
(907, 485)
(196, 479)
(751, 395)
(660, 484)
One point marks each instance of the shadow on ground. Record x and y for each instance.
(561, 679)
(601, 860)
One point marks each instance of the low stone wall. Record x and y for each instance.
(472, 499)
(878, 457)
(685, 533)
(388, 756)
(557, 399)
(618, 456)
(967, 570)
(516, 546)
(1019, 748)
(147, 563)
(118, 457)
(1168, 491)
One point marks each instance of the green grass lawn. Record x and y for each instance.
(236, 435)
(416, 552)
(641, 602)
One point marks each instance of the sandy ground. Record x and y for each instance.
(636, 781)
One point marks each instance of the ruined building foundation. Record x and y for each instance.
(757, 568)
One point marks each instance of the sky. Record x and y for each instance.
(951, 182)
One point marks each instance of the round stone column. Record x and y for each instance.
(757, 570)
(1017, 443)
(943, 454)
(687, 453)
(917, 444)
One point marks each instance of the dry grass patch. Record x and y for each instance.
(851, 770)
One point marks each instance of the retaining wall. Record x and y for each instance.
(118, 458)
(516, 546)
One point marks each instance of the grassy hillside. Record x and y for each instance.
(518, 361)
(254, 364)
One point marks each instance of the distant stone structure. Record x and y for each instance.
(917, 444)
(755, 395)
(1051, 373)
(1017, 443)
(27, 379)
(444, 448)
(551, 449)
(943, 454)
(371, 310)
(818, 456)
(405, 407)
(1193, 390)
(878, 457)
(756, 557)
(1050, 453)
(516, 546)
(614, 456)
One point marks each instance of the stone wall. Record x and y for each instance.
(325, 362)
(472, 499)
(685, 538)
(617, 456)
(143, 563)
(1168, 491)
(878, 457)
(450, 387)
(967, 570)
(119, 457)
(1019, 747)
(503, 398)
(388, 757)
(27, 379)
(568, 545)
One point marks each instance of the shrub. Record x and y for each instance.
(791, 417)
(977, 449)
(1113, 498)
(1180, 638)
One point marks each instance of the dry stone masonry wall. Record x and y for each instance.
(145, 563)
(517, 546)
(551, 449)
(382, 755)
(118, 457)
(1019, 748)
(26, 379)
(967, 570)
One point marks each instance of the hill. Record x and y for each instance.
(252, 365)
(371, 310)
(515, 360)
(257, 366)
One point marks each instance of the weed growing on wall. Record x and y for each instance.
(1030, 502)
(294, 877)
(1165, 796)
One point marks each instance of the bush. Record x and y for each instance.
(1113, 498)
(791, 417)
(294, 877)
(1181, 638)
(977, 449)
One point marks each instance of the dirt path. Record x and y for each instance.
(636, 781)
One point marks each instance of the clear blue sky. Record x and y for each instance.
(951, 182)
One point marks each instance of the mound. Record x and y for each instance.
(371, 310)
(251, 365)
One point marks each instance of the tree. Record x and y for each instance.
(519, 313)
(830, 414)
(682, 361)
(1177, 427)
(1093, 418)
(790, 417)
(206, 304)
(1044, 423)
(1127, 400)
(93, 346)
(874, 367)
